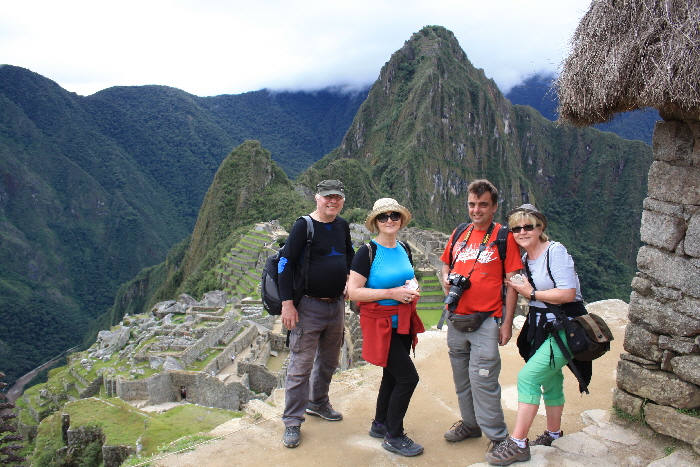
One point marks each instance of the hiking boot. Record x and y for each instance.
(291, 436)
(460, 432)
(378, 430)
(327, 412)
(545, 439)
(506, 452)
(402, 445)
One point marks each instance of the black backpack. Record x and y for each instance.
(269, 285)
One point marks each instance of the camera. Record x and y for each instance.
(459, 284)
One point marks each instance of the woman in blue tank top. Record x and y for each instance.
(382, 281)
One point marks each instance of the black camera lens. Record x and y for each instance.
(459, 285)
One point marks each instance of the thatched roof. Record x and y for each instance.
(631, 54)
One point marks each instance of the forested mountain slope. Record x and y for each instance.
(94, 189)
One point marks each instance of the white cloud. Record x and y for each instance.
(209, 47)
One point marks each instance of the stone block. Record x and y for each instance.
(627, 402)
(661, 230)
(662, 318)
(659, 386)
(691, 242)
(687, 367)
(688, 307)
(666, 294)
(642, 343)
(670, 422)
(682, 345)
(669, 270)
(671, 209)
(642, 286)
(673, 141)
(648, 364)
(675, 184)
(666, 360)
(581, 444)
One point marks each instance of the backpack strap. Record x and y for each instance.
(372, 251)
(549, 270)
(455, 236)
(572, 366)
(501, 243)
(307, 251)
(408, 250)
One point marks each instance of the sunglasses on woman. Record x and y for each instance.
(526, 228)
(385, 216)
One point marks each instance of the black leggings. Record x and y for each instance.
(399, 380)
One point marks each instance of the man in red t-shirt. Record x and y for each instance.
(475, 359)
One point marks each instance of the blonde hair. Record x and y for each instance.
(522, 215)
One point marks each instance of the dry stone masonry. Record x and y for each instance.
(659, 377)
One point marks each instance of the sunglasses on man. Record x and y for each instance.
(526, 228)
(385, 216)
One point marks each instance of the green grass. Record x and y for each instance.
(629, 417)
(429, 317)
(187, 443)
(123, 424)
(690, 412)
(198, 365)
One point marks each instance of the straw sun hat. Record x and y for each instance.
(386, 205)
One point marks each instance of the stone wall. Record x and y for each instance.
(430, 243)
(208, 340)
(662, 341)
(201, 389)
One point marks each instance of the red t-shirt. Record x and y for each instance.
(487, 277)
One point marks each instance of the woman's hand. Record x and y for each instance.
(524, 289)
(402, 294)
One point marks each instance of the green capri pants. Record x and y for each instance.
(542, 375)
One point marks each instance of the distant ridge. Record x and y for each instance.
(537, 92)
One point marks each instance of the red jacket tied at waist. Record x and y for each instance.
(375, 321)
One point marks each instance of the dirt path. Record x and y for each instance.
(255, 440)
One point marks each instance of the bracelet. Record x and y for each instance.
(532, 296)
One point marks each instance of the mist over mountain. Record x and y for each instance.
(538, 92)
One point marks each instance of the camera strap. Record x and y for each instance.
(482, 247)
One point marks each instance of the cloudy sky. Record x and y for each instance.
(211, 47)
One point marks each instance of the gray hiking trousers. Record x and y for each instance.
(476, 365)
(314, 347)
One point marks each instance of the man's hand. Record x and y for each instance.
(506, 333)
(444, 273)
(290, 316)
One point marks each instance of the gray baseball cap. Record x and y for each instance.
(331, 187)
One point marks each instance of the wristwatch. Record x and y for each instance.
(532, 295)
